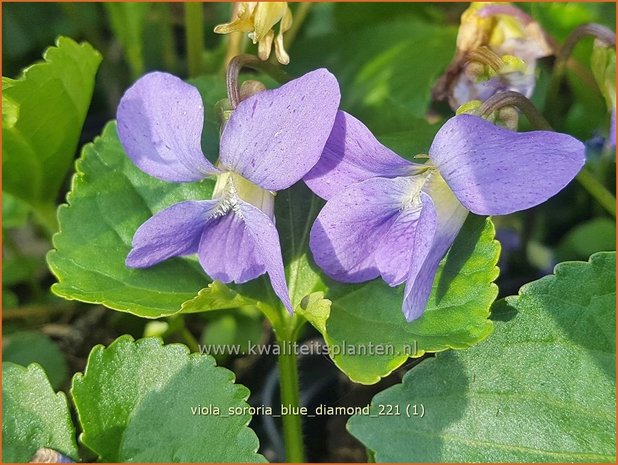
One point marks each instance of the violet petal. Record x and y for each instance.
(351, 225)
(352, 154)
(495, 171)
(274, 137)
(160, 120)
(227, 250)
(441, 219)
(395, 249)
(242, 245)
(172, 232)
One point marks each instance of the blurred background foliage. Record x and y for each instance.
(387, 57)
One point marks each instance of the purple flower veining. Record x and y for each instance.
(269, 143)
(386, 216)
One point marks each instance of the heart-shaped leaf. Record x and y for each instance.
(144, 402)
(541, 389)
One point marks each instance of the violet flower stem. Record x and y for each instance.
(517, 100)
(190, 339)
(194, 30)
(597, 190)
(290, 393)
(239, 62)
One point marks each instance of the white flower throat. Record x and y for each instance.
(231, 187)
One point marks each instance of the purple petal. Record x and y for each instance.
(227, 250)
(160, 120)
(352, 154)
(441, 219)
(241, 246)
(276, 136)
(352, 224)
(495, 171)
(170, 233)
(396, 247)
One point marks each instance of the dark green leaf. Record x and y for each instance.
(137, 402)
(14, 211)
(587, 238)
(33, 415)
(29, 347)
(42, 115)
(541, 389)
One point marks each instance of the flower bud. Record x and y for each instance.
(259, 19)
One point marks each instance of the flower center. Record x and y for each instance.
(231, 187)
(412, 199)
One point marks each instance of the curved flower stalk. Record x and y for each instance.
(497, 48)
(389, 217)
(259, 19)
(270, 142)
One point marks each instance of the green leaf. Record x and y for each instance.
(42, 115)
(33, 416)
(597, 235)
(238, 328)
(219, 296)
(14, 211)
(136, 402)
(109, 199)
(296, 209)
(388, 83)
(127, 21)
(456, 315)
(28, 347)
(603, 64)
(541, 389)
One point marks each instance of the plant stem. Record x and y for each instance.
(597, 190)
(190, 340)
(290, 395)
(515, 99)
(194, 25)
(249, 61)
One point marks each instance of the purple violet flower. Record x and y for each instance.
(269, 143)
(386, 216)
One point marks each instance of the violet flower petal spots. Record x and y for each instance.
(274, 137)
(352, 154)
(160, 121)
(241, 246)
(170, 233)
(351, 225)
(495, 171)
